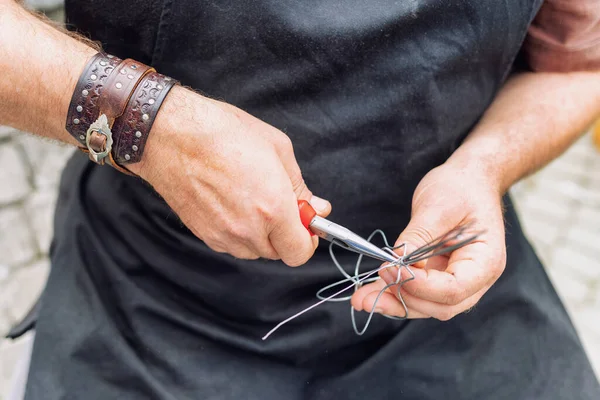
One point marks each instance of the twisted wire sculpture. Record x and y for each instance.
(454, 239)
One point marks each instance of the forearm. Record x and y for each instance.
(535, 117)
(40, 66)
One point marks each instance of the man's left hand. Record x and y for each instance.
(447, 285)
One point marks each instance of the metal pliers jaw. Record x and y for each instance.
(340, 235)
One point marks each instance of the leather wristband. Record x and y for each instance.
(83, 109)
(113, 108)
(133, 128)
(118, 89)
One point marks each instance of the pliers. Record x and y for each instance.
(340, 235)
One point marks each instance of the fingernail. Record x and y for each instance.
(318, 203)
(378, 310)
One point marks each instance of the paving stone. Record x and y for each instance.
(572, 165)
(44, 4)
(50, 171)
(594, 162)
(5, 324)
(6, 131)
(13, 354)
(25, 288)
(571, 290)
(590, 338)
(593, 351)
(40, 211)
(595, 295)
(47, 159)
(587, 322)
(4, 273)
(587, 216)
(583, 266)
(543, 206)
(580, 194)
(18, 244)
(541, 230)
(559, 186)
(13, 175)
(584, 238)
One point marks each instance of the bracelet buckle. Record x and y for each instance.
(98, 140)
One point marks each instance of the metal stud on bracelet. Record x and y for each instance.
(134, 126)
(103, 115)
(83, 109)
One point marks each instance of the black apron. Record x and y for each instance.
(373, 94)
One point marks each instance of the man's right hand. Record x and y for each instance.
(232, 179)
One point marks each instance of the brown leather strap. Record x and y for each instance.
(133, 128)
(116, 101)
(119, 88)
(83, 109)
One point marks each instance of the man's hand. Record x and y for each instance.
(446, 285)
(231, 178)
(534, 118)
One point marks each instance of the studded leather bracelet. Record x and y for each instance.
(83, 109)
(113, 108)
(134, 126)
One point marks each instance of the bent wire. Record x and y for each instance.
(454, 239)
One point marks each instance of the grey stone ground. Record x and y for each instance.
(560, 208)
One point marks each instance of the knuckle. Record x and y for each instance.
(271, 255)
(446, 314)
(270, 211)
(301, 257)
(498, 265)
(216, 247)
(454, 296)
(422, 234)
(214, 242)
(244, 254)
(239, 232)
(471, 308)
(284, 143)
(297, 261)
(299, 185)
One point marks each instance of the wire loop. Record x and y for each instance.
(454, 239)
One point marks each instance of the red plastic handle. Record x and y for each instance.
(307, 213)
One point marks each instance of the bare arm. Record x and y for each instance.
(232, 179)
(533, 120)
(40, 66)
(535, 117)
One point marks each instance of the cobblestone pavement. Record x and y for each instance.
(560, 208)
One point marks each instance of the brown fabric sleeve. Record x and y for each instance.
(565, 37)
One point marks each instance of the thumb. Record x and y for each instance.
(426, 225)
(290, 164)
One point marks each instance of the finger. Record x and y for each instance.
(243, 253)
(321, 206)
(469, 270)
(315, 241)
(426, 224)
(260, 246)
(285, 150)
(365, 299)
(442, 312)
(290, 239)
